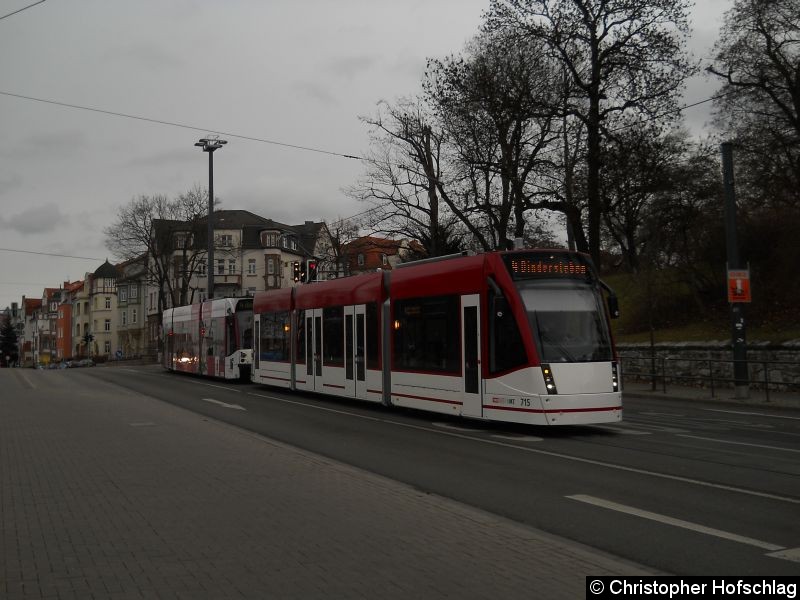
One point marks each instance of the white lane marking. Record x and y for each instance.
(757, 414)
(792, 554)
(225, 404)
(646, 425)
(620, 430)
(645, 514)
(512, 437)
(219, 387)
(588, 461)
(660, 414)
(707, 439)
(518, 438)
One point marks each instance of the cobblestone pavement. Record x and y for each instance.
(109, 494)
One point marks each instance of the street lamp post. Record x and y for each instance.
(209, 144)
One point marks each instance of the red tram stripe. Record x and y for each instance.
(552, 411)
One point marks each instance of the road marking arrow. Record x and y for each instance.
(225, 404)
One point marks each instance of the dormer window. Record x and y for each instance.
(290, 242)
(270, 239)
(183, 240)
(225, 240)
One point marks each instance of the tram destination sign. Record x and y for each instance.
(548, 266)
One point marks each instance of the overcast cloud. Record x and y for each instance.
(300, 73)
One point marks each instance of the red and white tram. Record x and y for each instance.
(520, 336)
(214, 338)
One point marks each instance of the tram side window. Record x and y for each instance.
(427, 334)
(300, 340)
(506, 350)
(216, 346)
(230, 335)
(373, 337)
(274, 342)
(333, 336)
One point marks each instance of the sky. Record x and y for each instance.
(299, 73)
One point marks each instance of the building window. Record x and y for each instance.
(231, 266)
(123, 294)
(251, 266)
(225, 239)
(220, 266)
(134, 316)
(134, 291)
(107, 325)
(124, 317)
(152, 296)
(107, 347)
(78, 309)
(108, 302)
(201, 267)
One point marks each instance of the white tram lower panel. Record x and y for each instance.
(273, 373)
(585, 395)
(423, 391)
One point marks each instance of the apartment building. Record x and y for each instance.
(103, 306)
(131, 310)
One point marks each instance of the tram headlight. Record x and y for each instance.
(615, 376)
(549, 382)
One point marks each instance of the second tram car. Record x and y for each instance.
(519, 336)
(213, 338)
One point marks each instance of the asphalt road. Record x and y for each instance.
(689, 489)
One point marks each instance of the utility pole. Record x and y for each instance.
(209, 144)
(738, 329)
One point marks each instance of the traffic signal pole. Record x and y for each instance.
(738, 329)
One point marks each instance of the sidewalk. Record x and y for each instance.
(757, 398)
(107, 494)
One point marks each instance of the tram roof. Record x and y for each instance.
(358, 289)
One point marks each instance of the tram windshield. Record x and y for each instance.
(567, 320)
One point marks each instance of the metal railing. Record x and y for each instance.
(710, 373)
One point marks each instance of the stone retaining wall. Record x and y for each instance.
(710, 364)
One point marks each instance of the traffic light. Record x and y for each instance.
(311, 270)
(296, 271)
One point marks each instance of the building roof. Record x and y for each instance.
(107, 270)
(32, 304)
(251, 226)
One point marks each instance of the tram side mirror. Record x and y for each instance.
(613, 306)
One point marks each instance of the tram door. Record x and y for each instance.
(355, 343)
(314, 349)
(471, 355)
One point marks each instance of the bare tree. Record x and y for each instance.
(497, 103)
(640, 168)
(405, 180)
(166, 231)
(758, 61)
(620, 55)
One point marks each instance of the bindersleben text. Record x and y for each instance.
(677, 588)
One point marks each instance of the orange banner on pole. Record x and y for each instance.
(739, 285)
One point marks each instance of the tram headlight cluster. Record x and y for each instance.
(549, 382)
(615, 376)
